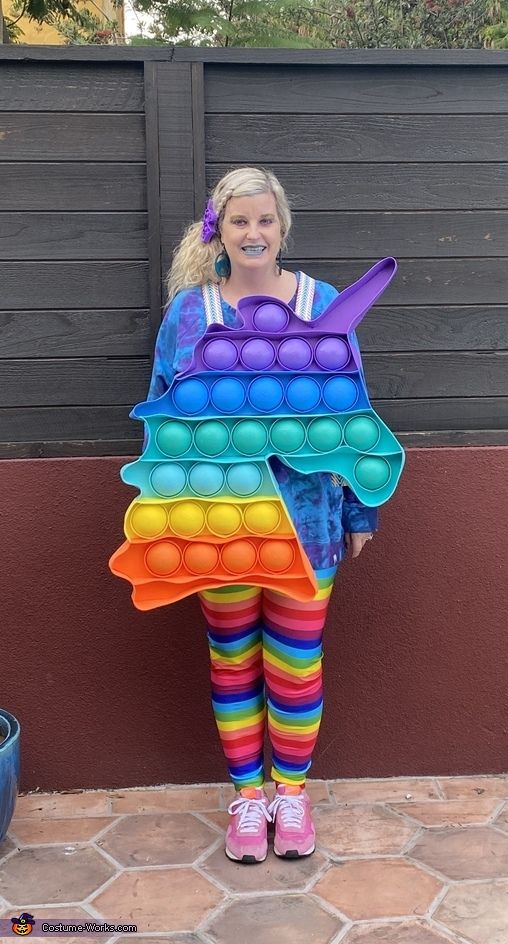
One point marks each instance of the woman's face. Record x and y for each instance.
(251, 233)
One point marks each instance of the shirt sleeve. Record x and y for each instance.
(163, 369)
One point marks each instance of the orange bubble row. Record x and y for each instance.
(237, 558)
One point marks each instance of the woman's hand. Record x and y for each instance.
(356, 539)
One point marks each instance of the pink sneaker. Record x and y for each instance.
(294, 830)
(246, 839)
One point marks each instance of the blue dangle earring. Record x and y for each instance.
(279, 261)
(223, 265)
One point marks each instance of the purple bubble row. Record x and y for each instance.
(330, 353)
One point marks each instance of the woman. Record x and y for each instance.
(265, 648)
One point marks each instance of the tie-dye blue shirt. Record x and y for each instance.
(321, 511)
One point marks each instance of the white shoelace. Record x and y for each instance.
(250, 813)
(290, 808)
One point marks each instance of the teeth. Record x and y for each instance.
(253, 250)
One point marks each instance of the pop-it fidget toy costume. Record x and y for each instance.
(210, 512)
(261, 450)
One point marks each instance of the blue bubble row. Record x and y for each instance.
(266, 394)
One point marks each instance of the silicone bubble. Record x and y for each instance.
(211, 437)
(191, 396)
(249, 437)
(332, 353)
(294, 354)
(148, 521)
(270, 318)
(244, 479)
(224, 519)
(220, 354)
(201, 558)
(257, 354)
(372, 472)
(276, 556)
(262, 517)
(163, 558)
(287, 435)
(174, 438)
(303, 394)
(206, 478)
(324, 434)
(239, 557)
(265, 394)
(340, 393)
(186, 519)
(228, 395)
(168, 479)
(362, 433)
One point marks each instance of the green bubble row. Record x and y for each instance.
(250, 437)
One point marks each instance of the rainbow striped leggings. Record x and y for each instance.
(266, 652)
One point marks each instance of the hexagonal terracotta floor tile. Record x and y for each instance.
(6, 846)
(293, 919)
(167, 800)
(60, 805)
(463, 787)
(464, 853)
(479, 912)
(158, 899)
(361, 830)
(449, 812)
(411, 932)
(50, 874)
(33, 832)
(371, 791)
(158, 839)
(274, 874)
(378, 888)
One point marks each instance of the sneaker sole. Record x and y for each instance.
(246, 859)
(293, 853)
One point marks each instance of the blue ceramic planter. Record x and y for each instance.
(9, 768)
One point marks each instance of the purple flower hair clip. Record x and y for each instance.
(210, 218)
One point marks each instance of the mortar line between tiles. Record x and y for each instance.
(209, 851)
(338, 938)
(107, 856)
(437, 901)
(498, 810)
(208, 822)
(215, 913)
(318, 875)
(497, 829)
(456, 938)
(327, 906)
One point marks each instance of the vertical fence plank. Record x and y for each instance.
(198, 136)
(153, 195)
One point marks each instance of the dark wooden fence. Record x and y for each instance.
(107, 153)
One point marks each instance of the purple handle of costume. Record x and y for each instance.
(345, 313)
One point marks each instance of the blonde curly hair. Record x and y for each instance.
(193, 260)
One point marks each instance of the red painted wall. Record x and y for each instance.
(416, 656)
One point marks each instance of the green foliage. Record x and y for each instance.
(398, 24)
(496, 35)
(264, 23)
(325, 23)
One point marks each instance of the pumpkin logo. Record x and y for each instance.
(24, 924)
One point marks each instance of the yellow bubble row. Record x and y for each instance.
(188, 518)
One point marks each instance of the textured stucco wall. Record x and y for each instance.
(416, 657)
